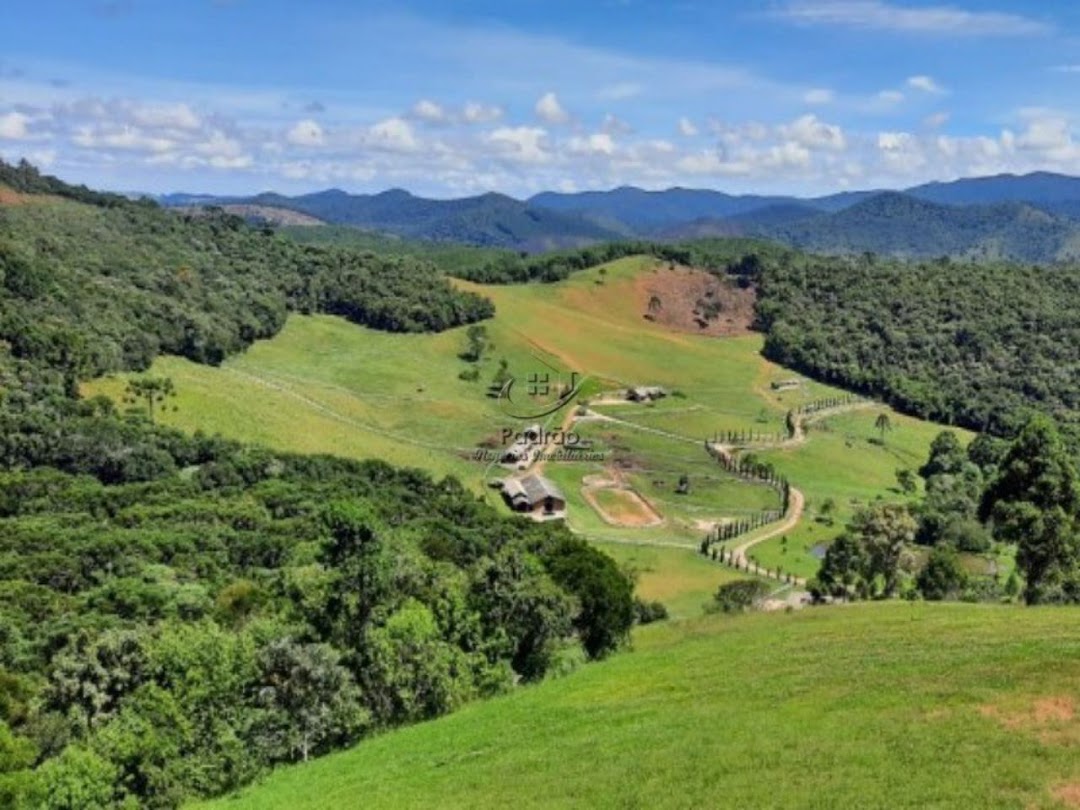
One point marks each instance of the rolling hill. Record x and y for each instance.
(880, 705)
(902, 225)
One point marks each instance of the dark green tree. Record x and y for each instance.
(1034, 502)
(150, 391)
(943, 577)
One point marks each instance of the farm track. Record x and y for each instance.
(796, 499)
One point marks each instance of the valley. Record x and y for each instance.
(326, 386)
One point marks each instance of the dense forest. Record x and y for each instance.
(977, 345)
(109, 285)
(178, 613)
(719, 255)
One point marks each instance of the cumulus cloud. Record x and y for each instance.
(687, 128)
(615, 125)
(926, 84)
(477, 113)
(14, 126)
(305, 133)
(166, 116)
(394, 134)
(599, 143)
(524, 144)
(124, 138)
(810, 132)
(429, 111)
(550, 110)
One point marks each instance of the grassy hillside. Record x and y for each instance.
(882, 705)
(325, 385)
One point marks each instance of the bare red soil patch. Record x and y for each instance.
(1068, 795)
(688, 300)
(9, 197)
(617, 503)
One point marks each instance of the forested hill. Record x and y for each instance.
(905, 226)
(107, 284)
(179, 613)
(488, 220)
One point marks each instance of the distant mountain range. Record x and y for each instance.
(1032, 218)
(490, 220)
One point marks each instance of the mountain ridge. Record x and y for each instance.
(553, 220)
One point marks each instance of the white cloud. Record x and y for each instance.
(599, 143)
(394, 134)
(165, 116)
(818, 96)
(477, 113)
(810, 132)
(220, 146)
(787, 154)
(524, 144)
(687, 128)
(429, 111)
(305, 133)
(13, 126)
(883, 16)
(615, 125)
(124, 138)
(926, 84)
(890, 98)
(711, 162)
(894, 141)
(550, 110)
(1051, 138)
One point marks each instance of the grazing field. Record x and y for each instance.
(325, 385)
(683, 581)
(876, 705)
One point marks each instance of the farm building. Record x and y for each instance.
(534, 495)
(645, 393)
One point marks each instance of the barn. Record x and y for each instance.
(534, 495)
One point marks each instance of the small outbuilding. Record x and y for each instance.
(645, 393)
(534, 495)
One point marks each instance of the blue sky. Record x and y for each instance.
(452, 98)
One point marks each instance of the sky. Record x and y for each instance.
(461, 97)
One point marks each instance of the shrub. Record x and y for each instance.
(649, 612)
(741, 595)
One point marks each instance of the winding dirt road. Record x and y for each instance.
(796, 499)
